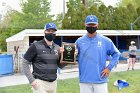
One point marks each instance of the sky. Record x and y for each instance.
(56, 5)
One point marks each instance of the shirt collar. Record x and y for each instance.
(91, 37)
(47, 44)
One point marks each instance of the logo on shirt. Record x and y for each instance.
(55, 52)
(44, 51)
(99, 43)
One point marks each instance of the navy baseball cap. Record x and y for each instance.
(50, 26)
(91, 19)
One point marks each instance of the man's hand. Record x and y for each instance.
(35, 84)
(76, 52)
(105, 72)
(61, 49)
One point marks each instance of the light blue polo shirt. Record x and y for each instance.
(92, 56)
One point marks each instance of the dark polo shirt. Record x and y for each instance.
(45, 60)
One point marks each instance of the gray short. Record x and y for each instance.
(93, 88)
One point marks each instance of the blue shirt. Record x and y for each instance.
(92, 56)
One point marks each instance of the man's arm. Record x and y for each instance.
(28, 58)
(26, 69)
(114, 52)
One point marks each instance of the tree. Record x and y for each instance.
(135, 3)
(8, 26)
(36, 13)
(58, 20)
(138, 13)
(112, 18)
(89, 3)
(103, 16)
(74, 17)
(132, 13)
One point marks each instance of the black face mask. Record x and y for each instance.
(50, 36)
(91, 29)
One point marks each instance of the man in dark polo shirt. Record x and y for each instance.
(44, 56)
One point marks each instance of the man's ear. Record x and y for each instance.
(45, 31)
(97, 26)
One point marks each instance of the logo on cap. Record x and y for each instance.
(91, 19)
(51, 25)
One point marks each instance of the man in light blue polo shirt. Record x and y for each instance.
(93, 50)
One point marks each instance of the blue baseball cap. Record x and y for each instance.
(91, 19)
(50, 26)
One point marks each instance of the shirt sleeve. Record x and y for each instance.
(115, 54)
(26, 69)
(78, 50)
(136, 48)
(31, 53)
(76, 43)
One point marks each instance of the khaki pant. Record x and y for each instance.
(45, 87)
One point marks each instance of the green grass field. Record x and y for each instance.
(72, 85)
